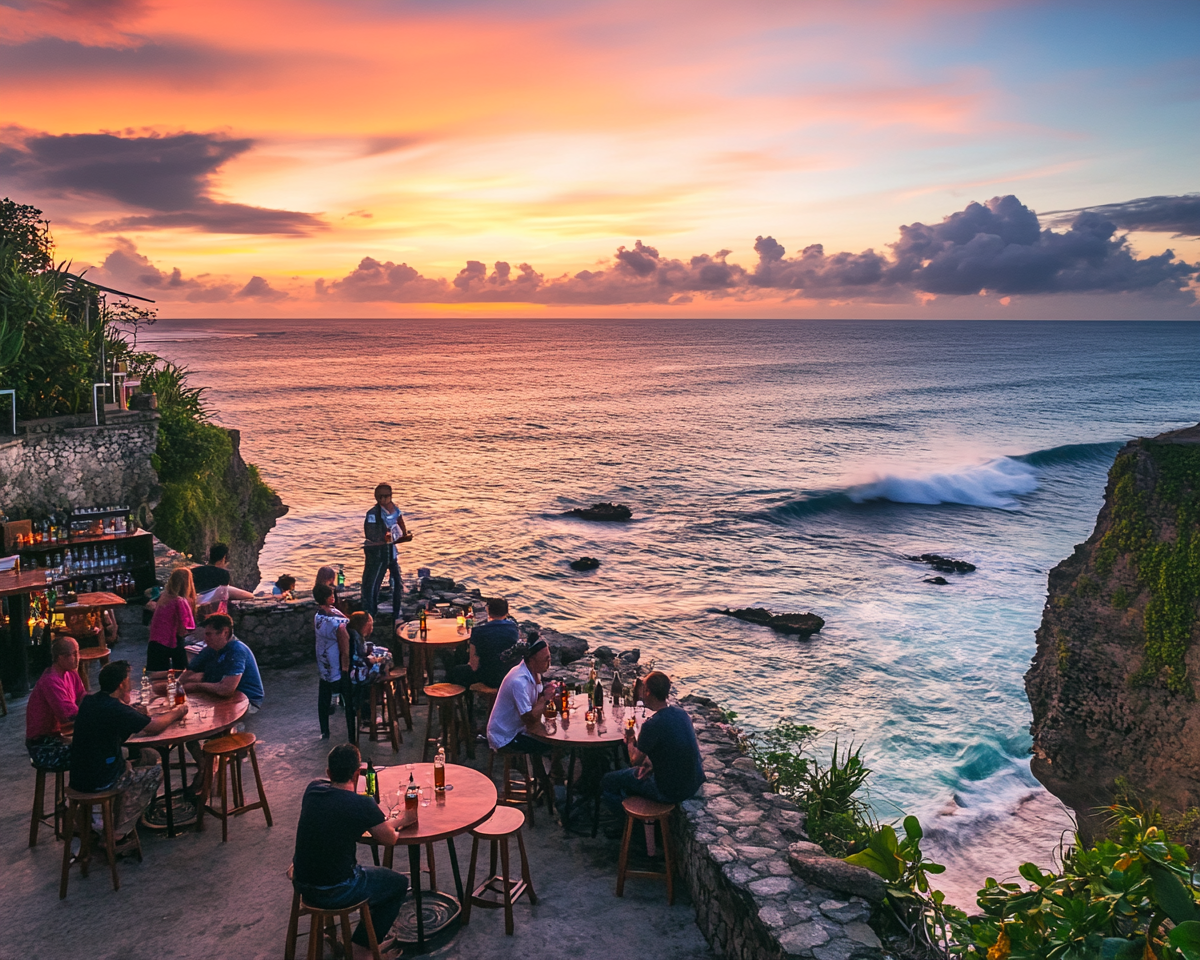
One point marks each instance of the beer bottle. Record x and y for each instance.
(591, 682)
(616, 685)
(423, 617)
(439, 770)
(372, 781)
(412, 796)
(170, 682)
(180, 694)
(341, 577)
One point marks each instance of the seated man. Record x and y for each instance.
(666, 758)
(326, 872)
(488, 642)
(226, 666)
(104, 722)
(520, 704)
(53, 703)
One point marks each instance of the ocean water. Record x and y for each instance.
(791, 465)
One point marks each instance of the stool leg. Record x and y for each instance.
(372, 943)
(374, 714)
(262, 795)
(85, 839)
(108, 812)
(60, 805)
(205, 791)
(529, 781)
(665, 823)
(624, 861)
(428, 731)
(494, 849)
(491, 762)
(316, 939)
(508, 914)
(404, 699)
(525, 868)
(648, 828)
(222, 772)
(235, 778)
(389, 703)
(69, 830)
(289, 948)
(39, 803)
(470, 891)
(345, 918)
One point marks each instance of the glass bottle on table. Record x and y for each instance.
(412, 796)
(372, 781)
(439, 770)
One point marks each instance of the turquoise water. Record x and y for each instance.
(784, 464)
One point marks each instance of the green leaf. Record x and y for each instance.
(1186, 939)
(1035, 876)
(1117, 948)
(912, 828)
(880, 855)
(1174, 898)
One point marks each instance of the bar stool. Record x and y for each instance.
(54, 818)
(79, 824)
(501, 825)
(86, 656)
(486, 694)
(449, 700)
(381, 712)
(514, 792)
(397, 688)
(648, 812)
(326, 922)
(228, 752)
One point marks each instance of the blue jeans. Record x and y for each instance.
(380, 561)
(616, 785)
(383, 889)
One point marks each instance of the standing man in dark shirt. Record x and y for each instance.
(666, 758)
(383, 528)
(104, 722)
(326, 872)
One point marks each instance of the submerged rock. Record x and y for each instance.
(612, 512)
(940, 581)
(803, 625)
(943, 564)
(585, 563)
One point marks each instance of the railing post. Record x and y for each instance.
(98, 405)
(13, 395)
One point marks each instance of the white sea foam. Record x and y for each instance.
(992, 484)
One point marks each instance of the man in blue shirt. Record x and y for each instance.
(226, 666)
(383, 528)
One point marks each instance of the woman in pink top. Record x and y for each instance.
(174, 618)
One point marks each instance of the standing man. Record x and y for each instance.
(105, 721)
(665, 760)
(333, 815)
(52, 705)
(226, 666)
(383, 528)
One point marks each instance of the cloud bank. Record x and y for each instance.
(1177, 215)
(995, 247)
(127, 269)
(168, 176)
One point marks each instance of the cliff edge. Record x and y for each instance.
(1113, 683)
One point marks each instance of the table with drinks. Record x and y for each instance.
(591, 726)
(427, 634)
(208, 716)
(468, 799)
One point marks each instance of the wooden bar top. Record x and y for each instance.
(28, 581)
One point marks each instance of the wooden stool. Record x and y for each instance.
(647, 812)
(54, 818)
(449, 700)
(326, 922)
(515, 792)
(487, 695)
(497, 829)
(228, 752)
(79, 824)
(397, 687)
(381, 712)
(86, 656)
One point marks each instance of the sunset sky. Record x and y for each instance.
(607, 157)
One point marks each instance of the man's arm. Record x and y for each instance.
(472, 657)
(225, 687)
(160, 723)
(64, 703)
(533, 719)
(343, 639)
(388, 832)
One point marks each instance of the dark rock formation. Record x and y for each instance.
(813, 865)
(564, 648)
(1111, 685)
(585, 563)
(803, 625)
(943, 564)
(612, 512)
(258, 506)
(940, 581)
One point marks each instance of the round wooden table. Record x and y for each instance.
(470, 799)
(600, 746)
(226, 711)
(442, 634)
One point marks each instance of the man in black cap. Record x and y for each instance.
(520, 703)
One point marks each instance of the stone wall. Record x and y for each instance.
(71, 462)
(735, 845)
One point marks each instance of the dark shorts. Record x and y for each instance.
(524, 743)
(49, 753)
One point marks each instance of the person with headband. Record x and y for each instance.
(383, 528)
(520, 703)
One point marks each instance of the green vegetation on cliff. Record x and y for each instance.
(1167, 567)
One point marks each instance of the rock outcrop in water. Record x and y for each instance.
(943, 564)
(585, 563)
(1112, 685)
(610, 512)
(802, 625)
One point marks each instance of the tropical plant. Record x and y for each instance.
(25, 237)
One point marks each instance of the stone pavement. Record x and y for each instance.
(194, 897)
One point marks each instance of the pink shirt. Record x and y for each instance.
(170, 614)
(53, 702)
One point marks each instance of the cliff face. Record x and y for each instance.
(258, 507)
(1112, 685)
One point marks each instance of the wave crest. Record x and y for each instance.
(993, 484)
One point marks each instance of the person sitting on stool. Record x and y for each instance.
(326, 872)
(520, 703)
(52, 705)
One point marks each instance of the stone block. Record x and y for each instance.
(835, 874)
(839, 949)
(862, 933)
(845, 912)
(772, 886)
(802, 938)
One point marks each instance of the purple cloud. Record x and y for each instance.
(1179, 215)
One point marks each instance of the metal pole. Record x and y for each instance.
(13, 394)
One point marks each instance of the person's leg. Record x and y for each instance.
(324, 695)
(537, 751)
(397, 585)
(615, 786)
(386, 890)
(138, 785)
(179, 656)
(158, 657)
(347, 692)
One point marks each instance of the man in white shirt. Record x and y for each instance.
(520, 703)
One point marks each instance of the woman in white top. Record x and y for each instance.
(333, 660)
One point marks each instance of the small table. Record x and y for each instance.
(226, 711)
(442, 634)
(572, 733)
(471, 800)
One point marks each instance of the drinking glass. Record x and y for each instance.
(411, 628)
(426, 794)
